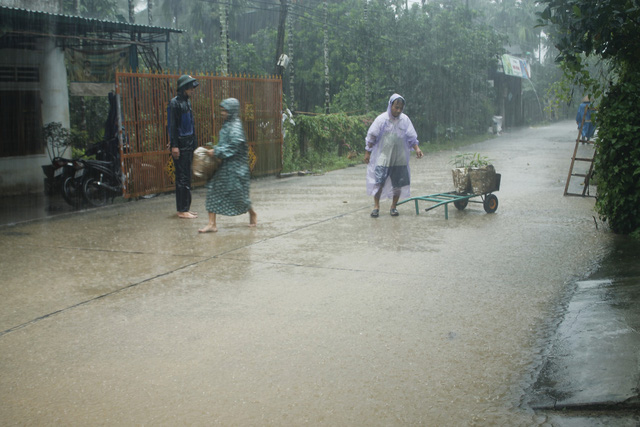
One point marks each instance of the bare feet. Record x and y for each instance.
(208, 229)
(193, 213)
(187, 215)
(253, 219)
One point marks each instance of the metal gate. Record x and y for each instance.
(144, 141)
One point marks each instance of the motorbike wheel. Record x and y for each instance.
(71, 192)
(94, 194)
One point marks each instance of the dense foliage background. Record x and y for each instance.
(348, 56)
(441, 56)
(607, 31)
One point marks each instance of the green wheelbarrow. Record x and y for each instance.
(460, 200)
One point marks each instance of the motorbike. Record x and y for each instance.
(57, 144)
(55, 174)
(64, 176)
(72, 185)
(102, 178)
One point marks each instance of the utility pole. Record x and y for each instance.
(132, 13)
(279, 69)
(133, 49)
(292, 99)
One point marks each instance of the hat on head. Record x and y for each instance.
(186, 82)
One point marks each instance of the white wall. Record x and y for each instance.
(19, 175)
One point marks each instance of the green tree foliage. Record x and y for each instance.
(515, 21)
(608, 30)
(437, 58)
(461, 54)
(618, 161)
(87, 119)
(324, 141)
(99, 9)
(437, 55)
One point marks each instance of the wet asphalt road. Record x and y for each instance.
(321, 315)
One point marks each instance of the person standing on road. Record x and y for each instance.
(588, 126)
(228, 189)
(390, 139)
(182, 139)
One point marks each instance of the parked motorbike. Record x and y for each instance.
(64, 176)
(72, 185)
(102, 178)
(56, 140)
(55, 174)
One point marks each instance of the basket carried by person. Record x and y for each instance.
(204, 166)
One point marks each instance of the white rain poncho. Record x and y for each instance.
(390, 141)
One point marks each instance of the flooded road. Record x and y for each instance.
(322, 315)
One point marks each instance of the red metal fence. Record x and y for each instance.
(143, 100)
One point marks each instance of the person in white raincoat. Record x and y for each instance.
(390, 139)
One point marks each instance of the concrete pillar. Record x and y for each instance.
(53, 85)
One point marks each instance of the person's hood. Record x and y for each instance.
(232, 106)
(392, 100)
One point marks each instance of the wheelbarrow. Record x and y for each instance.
(460, 200)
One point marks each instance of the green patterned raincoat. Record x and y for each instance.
(228, 189)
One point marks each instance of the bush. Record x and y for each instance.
(617, 164)
(56, 139)
(328, 141)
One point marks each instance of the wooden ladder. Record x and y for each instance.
(574, 159)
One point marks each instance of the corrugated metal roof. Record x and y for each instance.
(59, 24)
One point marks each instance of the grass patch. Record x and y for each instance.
(319, 163)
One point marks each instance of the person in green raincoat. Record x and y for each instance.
(228, 189)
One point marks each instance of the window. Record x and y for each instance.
(20, 123)
(20, 118)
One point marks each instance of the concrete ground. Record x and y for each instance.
(321, 315)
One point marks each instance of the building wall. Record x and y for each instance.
(23, 174)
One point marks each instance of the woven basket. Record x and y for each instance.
(204, 166)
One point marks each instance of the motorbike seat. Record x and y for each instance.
(100, 163)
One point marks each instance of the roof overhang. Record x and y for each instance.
(36, 23)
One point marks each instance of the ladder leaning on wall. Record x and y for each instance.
(588, 175)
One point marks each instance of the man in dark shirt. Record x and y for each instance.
(182, 138)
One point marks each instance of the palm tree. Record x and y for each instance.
(224, 38)
(326, 57)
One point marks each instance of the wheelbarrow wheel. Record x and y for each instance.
(490, 203)
(461, 204)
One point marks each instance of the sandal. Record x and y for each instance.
(375, 213)
(394, 212)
